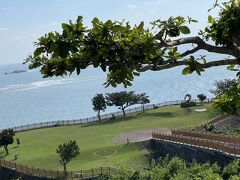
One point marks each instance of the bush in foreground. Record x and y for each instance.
(188, 104)
(176, 169)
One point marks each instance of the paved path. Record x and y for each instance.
(138, 136)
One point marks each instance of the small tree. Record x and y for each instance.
(201, 97)
(6, 138)
(122, 99)
(143, 99)
(228, 102)
(223, 86)
(99, 104)
(67, 152)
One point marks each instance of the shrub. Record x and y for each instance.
(209, 127)
(231, 170)
(201, 97)
(188, 104)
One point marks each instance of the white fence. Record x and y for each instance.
(95, 118)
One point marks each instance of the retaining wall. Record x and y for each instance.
(188, 153)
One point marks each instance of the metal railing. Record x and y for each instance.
(203, 143)
(95, 118)
(208, 136)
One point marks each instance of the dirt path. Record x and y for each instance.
(137, 136)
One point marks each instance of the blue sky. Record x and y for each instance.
(23, 21)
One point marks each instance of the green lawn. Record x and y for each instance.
(38, 147)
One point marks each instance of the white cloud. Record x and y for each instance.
(132, 6)
(3, 28)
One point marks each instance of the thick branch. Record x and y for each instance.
(188, 52)
(201, 45)
(180, 63)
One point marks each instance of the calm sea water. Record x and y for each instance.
(28, 98)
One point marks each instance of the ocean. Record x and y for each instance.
(27, 98)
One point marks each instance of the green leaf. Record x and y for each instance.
(79, 19)
(118, 28)
(95, 22)
(194, 21)
(38, 51)
(186, 71)
(230, 67)
(128, 83)
(52, 47)
(140, 26)
(108, 23)
(198, 72)
(136, 73)
(66, 27)
(184, 29)
(78, 70)
(211, 19)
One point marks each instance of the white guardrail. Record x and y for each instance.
(95, 118)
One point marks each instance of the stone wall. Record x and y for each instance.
(161, 148)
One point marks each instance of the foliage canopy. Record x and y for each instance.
(67, 152)
(99, 103)
(6, 138)
(125, 51)
(122, 99)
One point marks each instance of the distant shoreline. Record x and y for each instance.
(16, 72)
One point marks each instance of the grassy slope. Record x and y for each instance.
(38, 147)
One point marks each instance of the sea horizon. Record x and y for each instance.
(27, 98)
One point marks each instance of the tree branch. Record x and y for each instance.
(188, 52)
(202, 45)
(221, 62)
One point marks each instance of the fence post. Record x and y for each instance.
(234, 149)
(51, 174)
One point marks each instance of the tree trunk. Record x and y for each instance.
(99, 117)
(123, 111)
(143, 107)
(6, 149)
(65, 170)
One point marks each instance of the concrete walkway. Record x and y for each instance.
(138, 136)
